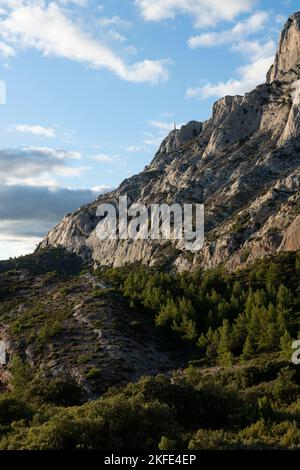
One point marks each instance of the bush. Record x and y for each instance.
(116, 423)
(12, 409)
(93, 373)
(56, 390)
(212, 440)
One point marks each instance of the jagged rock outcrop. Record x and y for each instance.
(291, 239)
(178, 137)
(243, 164)
(287, 60)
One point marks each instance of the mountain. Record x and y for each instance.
(148, 359)
(243, 164)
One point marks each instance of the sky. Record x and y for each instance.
(90, 89)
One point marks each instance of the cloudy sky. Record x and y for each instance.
(92, 87)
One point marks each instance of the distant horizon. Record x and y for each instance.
(92, 90)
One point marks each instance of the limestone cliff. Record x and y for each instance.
(243, 164)
(287, 60)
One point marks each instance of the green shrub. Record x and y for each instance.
(93, 373)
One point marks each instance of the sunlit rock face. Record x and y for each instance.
(291, 239)
(287, 60)
(243, 164)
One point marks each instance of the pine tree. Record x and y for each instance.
(223, 309)
(21, 376)
(239, 334)
(285, 300)
(286, 346)
(260, 298)
(237, 290)
(167, 314)
(281, 323)
(187, 328)
(212, 348)
(225, 356)
(273, 278)
(202, 343)
(214, 298)
(269, 337)
(284, 297)
(235, 307)
(248, 349)
(249, 304)
(185, 308)
(272, 336)
(152, 297)
(166, 444)
(254, 324)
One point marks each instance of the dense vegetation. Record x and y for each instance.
(254, 406)
(56, 260)
(222, 317)
(237, 387)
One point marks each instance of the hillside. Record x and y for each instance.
(72, 324)
(221, 343)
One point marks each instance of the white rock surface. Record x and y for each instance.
(243, 164)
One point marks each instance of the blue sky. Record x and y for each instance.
(92, 87)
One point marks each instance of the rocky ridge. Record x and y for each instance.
(243, 164)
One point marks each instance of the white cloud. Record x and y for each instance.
(152, 140)
(80, 3)
(11, 246)
(59, 154)
(251, 75)
(160, 128)
(260, 57)
(6, 51)
(38, 166)
(133, 149)
(113, 21)
(49, 29)
(71, 172)
(105, 158)
(33, 129)
(111, 26)
(166, 115)
(103, 188)
(255, 50)
(165, 126)
(115, 36)
(280, 19)
(242, 29)
(205, 12)
(162, 125)
(28, 212)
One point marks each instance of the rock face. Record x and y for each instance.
(291, 239)
(243, 164)
(287, 61)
